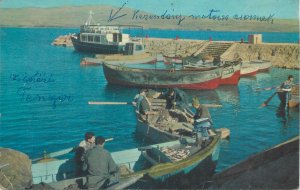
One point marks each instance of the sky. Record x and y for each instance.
(280, 8)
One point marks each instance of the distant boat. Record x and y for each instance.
(261, 65)
(294, 97)
(106, 39)
(163, 162)
(248, 70)
(231, 72)
(119, 59)
(230, 69)
(196, 78)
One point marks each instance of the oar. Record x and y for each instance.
(63, 152)
(130, 103)
(210, 105)
(268, 100)
(109, 103)
(56, 154)
(265, 89)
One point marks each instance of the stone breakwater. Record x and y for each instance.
(281, 55)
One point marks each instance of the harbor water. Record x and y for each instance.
(44, 94)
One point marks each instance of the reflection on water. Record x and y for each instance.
(286, 115)
(230, 94)
(205, 96)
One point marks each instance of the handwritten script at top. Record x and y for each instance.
(32, 83)
(212, 14)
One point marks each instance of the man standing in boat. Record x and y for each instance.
(284, 89)
(102, 171)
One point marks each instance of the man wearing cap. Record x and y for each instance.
(198, 108)
(101, 169)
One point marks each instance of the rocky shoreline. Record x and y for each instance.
(281, 55)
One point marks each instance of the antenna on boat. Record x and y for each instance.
(90, 19)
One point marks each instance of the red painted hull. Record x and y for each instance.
(233, 80)
(207, 85)
(162, 78)
(231, 74)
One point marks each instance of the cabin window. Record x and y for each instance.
(117, 37)
(90, 38)
(97, 38)
(103, 39)
(138, 47)
(83, 38)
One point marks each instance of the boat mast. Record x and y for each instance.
(90, 19)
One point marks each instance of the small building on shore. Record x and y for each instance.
(254, 38)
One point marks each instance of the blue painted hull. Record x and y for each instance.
(96, 48)
(162, 173)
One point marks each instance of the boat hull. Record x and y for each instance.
(231, 75)
(162, 173)
(151, 78)
(248, 71)
(124, 60)
(261, 65)
(187, 166)
(96, 48)
(153, 133)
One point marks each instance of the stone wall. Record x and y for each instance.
(280, 55)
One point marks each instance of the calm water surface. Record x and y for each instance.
(44, 93)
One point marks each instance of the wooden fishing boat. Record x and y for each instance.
(261, 65)
(159, 163)
(294, 97)
(231, 72)
(119, 59)
(167, 124)
(197, 78)
(230, 69)
(248, 70)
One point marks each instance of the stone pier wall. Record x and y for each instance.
(281, 55)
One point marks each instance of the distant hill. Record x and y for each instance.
(74, 16)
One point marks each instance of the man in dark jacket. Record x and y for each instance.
(284, 89)
(101, 169)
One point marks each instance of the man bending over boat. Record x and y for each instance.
(198, 107)
(170, 99)
(102, 171)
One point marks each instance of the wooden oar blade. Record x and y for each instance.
(108, 103)
(268, 100)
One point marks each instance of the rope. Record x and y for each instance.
(7, 179)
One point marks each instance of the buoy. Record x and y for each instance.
(225, 133)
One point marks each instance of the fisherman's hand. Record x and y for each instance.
(191, 120)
